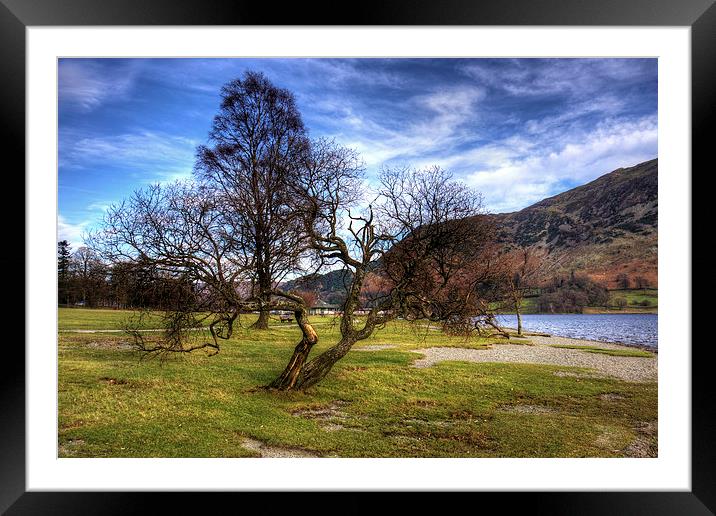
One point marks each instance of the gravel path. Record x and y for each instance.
(634, 369)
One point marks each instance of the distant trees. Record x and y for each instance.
(623, 281)
(86, 280)
(332, 285)
(309, 298)
(89, 277)
(571, 294)
(641, 282)
(375, 286)
(64, 255)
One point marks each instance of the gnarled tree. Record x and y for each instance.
(421, 236)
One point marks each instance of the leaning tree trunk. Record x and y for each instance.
(318, 368)
(300, 374)
(290, 378)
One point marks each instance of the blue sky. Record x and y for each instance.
(518, 130)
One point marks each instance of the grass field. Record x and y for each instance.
(373, 404)
(98, 319)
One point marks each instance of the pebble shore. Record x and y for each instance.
(633, 369)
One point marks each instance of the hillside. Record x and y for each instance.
(331, 287)
(603, 228)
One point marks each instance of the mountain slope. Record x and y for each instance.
(603, 228)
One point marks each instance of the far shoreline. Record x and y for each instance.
(590, 312)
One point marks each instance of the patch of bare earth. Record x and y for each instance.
(607, 439)
(108, 344)
(275, 452)
(611, 396)
(71, 425)
(69, 447)
(417, 421)
(644, 444)
(330, 416)
(526, 409)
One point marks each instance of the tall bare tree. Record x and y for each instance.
(257, 146)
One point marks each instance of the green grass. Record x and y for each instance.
(605, 351)
(635, 296)
(99, 319)
(114, 404)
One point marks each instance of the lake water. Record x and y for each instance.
(623, 328)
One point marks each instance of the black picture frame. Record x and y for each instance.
(16, 15)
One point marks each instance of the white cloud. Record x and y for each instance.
(167, 176)
(98, 206)
(143, 147)
(86, 85)
(148, 156)
(71, 232)
(511, 180)
(574, 77)
(340, 72)
(512, 172)
(438, 126)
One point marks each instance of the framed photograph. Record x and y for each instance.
(559, 132)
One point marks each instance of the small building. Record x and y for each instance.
(323, 308)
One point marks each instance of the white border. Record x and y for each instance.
(671, 470)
